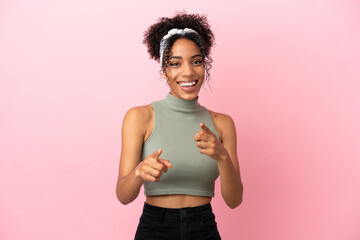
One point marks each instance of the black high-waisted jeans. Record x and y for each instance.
(193, 223)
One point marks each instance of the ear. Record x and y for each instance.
(164, 75)
(166, 78)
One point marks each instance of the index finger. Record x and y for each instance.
(204, 127)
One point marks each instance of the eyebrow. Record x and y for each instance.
(178, 57)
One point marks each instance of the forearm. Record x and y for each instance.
(231, 185)
(128, 187)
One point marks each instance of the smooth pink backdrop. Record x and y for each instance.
(287, 72)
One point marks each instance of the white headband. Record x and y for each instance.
(164, 42)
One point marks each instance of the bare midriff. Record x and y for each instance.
(177, 201)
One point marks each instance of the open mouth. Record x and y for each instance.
(187, 84)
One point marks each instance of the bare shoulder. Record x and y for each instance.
(139, 121)
(221, 118)
(140, 113)
(224, 124)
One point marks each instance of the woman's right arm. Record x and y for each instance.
(132, 171)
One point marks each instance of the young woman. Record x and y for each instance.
(175, 147)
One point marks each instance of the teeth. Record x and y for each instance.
(188, 84)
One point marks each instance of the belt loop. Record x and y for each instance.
(180, 214)
(163, 210)
(199, 216)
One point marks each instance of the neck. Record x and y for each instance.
(180, 104)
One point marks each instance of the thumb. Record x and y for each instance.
(157, 153)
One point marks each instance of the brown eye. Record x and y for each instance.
(198, 62)
(174, 64)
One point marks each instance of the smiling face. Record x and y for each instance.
(185, 71)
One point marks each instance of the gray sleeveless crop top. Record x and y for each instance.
(176, 123)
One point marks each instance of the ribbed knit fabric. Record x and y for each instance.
(176, 123)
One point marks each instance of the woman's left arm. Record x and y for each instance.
(225, 154)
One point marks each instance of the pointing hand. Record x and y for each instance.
(152, 167)
(209, 144)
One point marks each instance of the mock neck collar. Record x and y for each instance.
(180, 104)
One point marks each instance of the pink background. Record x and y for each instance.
(287, 72)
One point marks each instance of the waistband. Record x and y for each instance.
(178, 213)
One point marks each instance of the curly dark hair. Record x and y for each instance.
(204, 39)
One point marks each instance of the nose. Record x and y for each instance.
(187, 70)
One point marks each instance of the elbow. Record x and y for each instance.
(125, 202)
(122, 199)
(124, 195)
(234, 204)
